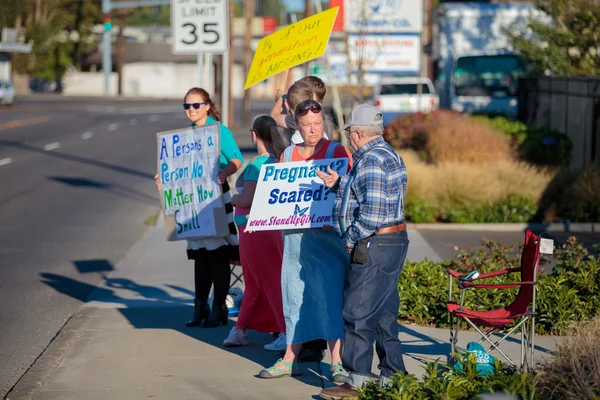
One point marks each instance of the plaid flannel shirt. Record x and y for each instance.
(374, 193)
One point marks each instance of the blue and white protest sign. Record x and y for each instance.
(188, 163)
(292, 196)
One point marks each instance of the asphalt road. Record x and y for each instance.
(76, 189)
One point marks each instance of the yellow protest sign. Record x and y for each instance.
(293, 45)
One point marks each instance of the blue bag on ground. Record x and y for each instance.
(485, 362)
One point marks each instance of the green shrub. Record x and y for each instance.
(419, 211)
(572, 195)
(546, 147)
(585, 196)
(512, 208)
(568, 295)
(541, 146)
(442, 382)
(517, 130)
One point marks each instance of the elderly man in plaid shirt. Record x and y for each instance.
(369, 216)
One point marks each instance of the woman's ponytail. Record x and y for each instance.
(266, 129)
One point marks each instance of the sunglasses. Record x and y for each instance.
(301, 111)
(186, 106)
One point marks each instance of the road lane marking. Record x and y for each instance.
(5, 161)
(113, 127)
(52, 146)
(23, 122)
(87, 135)
(153, 118)
(133, 121)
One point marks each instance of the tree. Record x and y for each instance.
(149, 16)
(569, 46)
(362, 48)
(59, 30)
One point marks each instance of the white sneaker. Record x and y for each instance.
(278, 344)
(236, 338)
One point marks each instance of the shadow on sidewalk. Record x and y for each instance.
(115, 189)
(150, 307)
(420, 345)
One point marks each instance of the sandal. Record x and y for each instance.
(338, 373)
(280, 369)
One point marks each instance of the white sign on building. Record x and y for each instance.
(383, 16)
(199, 27)
(385, 53)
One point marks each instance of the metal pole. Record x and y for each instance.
(225, 88)
(201, 76)
(106, 55)
(249, 13)
(229, 62)
(120, 51)
(421, 57)
(337, 103)
(209, 76)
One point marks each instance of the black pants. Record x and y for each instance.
(318, 344)
(212, 266)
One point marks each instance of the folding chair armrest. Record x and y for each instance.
(454, 273)
(471, 276)
(497, 273)
(497, 286)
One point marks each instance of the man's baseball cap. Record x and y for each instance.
(364, 114)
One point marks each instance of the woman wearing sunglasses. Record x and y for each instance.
(314, 264)
(261, 252)
(211, 255)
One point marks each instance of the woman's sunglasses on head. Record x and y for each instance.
(186, 106)
(302, 110)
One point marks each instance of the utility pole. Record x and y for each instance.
(422, 57)
(107, 7)
(337, 103)
(229, 53)
(106, 46)
(308, 11)
(429, 38)
(249, 13)
(121, 51)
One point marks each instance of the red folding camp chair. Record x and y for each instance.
(234, 262)
(238, 277)
(522, 309)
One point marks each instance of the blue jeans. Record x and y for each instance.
(371, 302)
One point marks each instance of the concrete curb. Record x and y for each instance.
(582, 227)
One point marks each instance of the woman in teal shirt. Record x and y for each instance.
(261, 252)
(211, 255)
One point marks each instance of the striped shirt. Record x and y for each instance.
(380, 175)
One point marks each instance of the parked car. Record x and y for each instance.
(43, 85)
(396, 96)
(7, 93)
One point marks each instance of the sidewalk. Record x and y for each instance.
(129, 341)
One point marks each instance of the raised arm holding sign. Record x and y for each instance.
(291, 46)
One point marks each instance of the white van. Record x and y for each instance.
(397, 96)
(7, 93)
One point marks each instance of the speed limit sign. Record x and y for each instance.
(199, 26)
